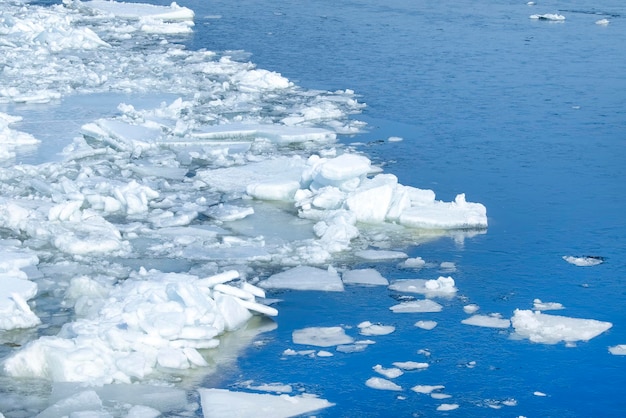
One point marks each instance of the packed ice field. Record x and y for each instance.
(160, 233)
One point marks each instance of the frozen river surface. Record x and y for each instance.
(194, 217)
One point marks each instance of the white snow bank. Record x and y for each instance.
(550, 329)
(364, 277)
(15, 288)
(305, 278)
(222, 403)
(583, 261)
(321, 336)
(443, 286)
(151, 320)
(487, 321)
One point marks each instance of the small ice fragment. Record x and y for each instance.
(538, 305)
(367, 328)
(390, 373)
(585, 261)
(321, 336)
(447, 407)
(603, 22)
(410, 365)
(548, 16)
(537, 393)
(305, 278)
(416, 262)
(324, 353)
(365, 277)
(618, 350)
(424, 306)
(380, 255)
(427, 325)
(443, 286)
(426, 389)
(487, 321)
(382, 384)
(471, 308)
(395, 139)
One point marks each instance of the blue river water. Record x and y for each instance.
(525, 116)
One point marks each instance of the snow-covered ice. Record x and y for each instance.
(427, 325)
(411, 365)
(539, 305)
(367, 328)
(550, 329)
(618, 350)
(442, 287)
(389, 373)
(222, 403)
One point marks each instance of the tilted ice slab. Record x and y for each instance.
(151, 320)
(11, 139)
(222, 403)
(15, 288)
(550, 329)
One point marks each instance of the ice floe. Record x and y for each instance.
(618, 350)
(442, 287)
(414, 306)
(539, 305)
(585, 261)
(321, 336)
(550, 329)
(410, 365)
(603, 22)
(364, 277)
(367, 328)
(389, 373)
(305, 278)
(222, 403)
(427, 325)
(487, 321)
(382, 384)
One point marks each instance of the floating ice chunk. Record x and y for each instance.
(487, 321)
(548, 16)
(222, 403)
(229, 213)
(321, 336)
(390, 373)
(338, 170)
(395, 139)
(357, 347)
(427, 325)
(84, 402)
(618, 350)
(447, 266)
(271, 387)
(380, 255)
(459, 214)
(584, 261)
(14, 311)
(276, 133)
(427, 389)
(603, 22)
(550, 329)
(11, 139)
(471, 308)
(283, 190)
(305, 278)
(410, 365)
(443, 286)
(538, 305)
(541, 394)
(382, 384)
(364, 276)
(447, 407)
(367, 328)
(417, 263)
(424, 306)
(173, 12)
